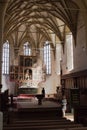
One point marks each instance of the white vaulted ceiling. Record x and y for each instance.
(38, 20)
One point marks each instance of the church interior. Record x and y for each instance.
(43, 58)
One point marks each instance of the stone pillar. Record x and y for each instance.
(2, 12)
(1, 40)
(1, 121)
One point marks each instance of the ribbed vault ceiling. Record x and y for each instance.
(38, 20)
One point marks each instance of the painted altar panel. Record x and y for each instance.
(28, 74)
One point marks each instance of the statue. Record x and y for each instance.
(27, 74)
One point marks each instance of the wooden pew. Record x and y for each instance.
(4, 100)
(40, 124)
(79, 128)
(80, 114)
(41, 121)
(42, 127)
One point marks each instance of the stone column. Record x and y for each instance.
(2, 12)
(1, 121)
(1, 40)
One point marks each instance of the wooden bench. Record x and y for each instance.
(80, 114)
(42, 127)
(79, 128)
(40, 124)
(40, 121)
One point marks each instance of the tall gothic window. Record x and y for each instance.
(27, 49)
(69, 48)
(58, 58)
(5, 58)
(47, 57)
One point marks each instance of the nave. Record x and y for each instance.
(43, 43)
(28, 115)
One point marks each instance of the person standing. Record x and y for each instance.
(43, 92)
(64, 105)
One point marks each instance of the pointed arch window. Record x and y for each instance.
(47, 57)
(27, 49)
(69, 49)
(5, 58)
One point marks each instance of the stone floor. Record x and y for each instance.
(69, 116)
(33, 103)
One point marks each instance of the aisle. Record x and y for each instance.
(33, 103)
